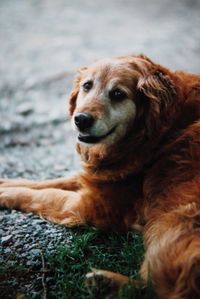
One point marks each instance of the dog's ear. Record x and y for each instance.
(157, 92)
(75, 90)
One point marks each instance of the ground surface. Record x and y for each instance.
(42, 43)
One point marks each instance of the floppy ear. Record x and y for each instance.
(75, 90)
(72, 100)
(157, 92)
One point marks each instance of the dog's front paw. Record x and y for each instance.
(16, 197)
(96, 279)
(99, 284)
(15, 183)
(104, 283)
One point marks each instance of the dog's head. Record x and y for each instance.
(115, 96)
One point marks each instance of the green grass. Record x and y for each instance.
(90, 248)
(11, 275)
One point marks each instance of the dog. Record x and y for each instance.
(138, 135)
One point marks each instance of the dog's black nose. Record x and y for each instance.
(83, 120)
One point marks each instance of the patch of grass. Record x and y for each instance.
(11, 274)
(64, 272)
(92, 248)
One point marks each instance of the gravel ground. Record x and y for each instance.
(43, 43)
(20, 231)
(25, 240)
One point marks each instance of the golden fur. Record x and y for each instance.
(146, 171)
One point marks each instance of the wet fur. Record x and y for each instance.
(150, 177)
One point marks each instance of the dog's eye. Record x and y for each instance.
(117, 95)
(87, 86)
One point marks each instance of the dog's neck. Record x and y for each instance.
(117, 162)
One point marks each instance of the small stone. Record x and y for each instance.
(39, 221)
(7, 250)
(32, 247)
(23, 255)
(30, 215)
(35, 233)
(18, 244)
(33, 263)
(35, 251)
(2, 232)
(5, 240)
(38, 228)
(25, 109)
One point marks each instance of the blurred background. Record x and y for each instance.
(44, 41)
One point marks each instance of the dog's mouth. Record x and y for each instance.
(94, 139)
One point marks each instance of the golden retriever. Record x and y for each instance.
(138, 134)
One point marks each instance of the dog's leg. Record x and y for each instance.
(172, 258)
(97, 280)
(60, 183)
(59, 206)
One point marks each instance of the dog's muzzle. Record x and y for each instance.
(83, 121)
(94, 139)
